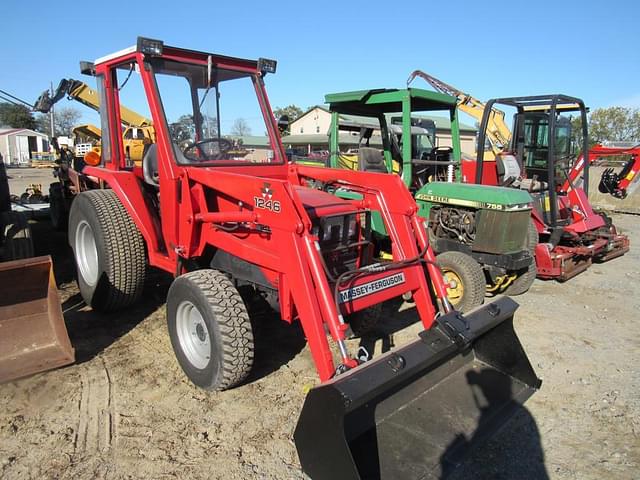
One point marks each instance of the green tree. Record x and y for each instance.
(576, 133)
(292, 111)
(614, 124)
(16, 116)
(608, 124)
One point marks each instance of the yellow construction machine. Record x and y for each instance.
(137, 135)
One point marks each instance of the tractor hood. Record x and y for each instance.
(475, 196)
(321, 204)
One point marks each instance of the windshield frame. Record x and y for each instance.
(180, 159)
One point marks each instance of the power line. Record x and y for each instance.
(15, 98)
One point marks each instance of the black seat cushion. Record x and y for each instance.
(371, 160)
(150, 165)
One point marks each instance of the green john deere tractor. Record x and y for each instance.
(481, 233)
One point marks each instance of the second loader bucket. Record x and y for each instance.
(416, 411)
(33, 336)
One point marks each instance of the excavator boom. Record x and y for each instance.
(618, 184)
(498, 132)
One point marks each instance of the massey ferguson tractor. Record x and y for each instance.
(219, 220)
(540, 160)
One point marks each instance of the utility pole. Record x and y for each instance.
(51, 118)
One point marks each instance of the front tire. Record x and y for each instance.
(108, 250)
(527, 276)
(210, 330)
(466, 285)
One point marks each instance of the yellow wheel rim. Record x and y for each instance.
(455, 288)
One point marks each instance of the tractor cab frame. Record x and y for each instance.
(571, 234)
(541, 144)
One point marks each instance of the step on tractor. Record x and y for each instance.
(223, 222)
(479, 233)
(541, 161)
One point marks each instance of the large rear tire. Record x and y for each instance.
(466, 285)
(108, 250)
(210, 329)
(16, 240)
(527, 276)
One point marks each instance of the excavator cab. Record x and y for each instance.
(533, 141)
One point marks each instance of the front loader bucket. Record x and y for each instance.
(33, 336)
(414, 412)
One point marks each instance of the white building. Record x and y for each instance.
(317, 120)
(18, 146)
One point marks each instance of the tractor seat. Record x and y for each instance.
(508, 169)
(371, 160)
(150, 166)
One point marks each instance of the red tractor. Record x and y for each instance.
(219, 220)
(567, 234)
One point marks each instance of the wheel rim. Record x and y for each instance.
(86, 253)
(455, 288)
(193, 335)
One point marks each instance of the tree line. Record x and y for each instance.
(20, 116)
(605, 124)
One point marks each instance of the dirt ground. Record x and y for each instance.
(125, 409)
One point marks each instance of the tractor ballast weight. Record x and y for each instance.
(219, 221)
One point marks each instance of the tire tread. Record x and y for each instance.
(125, 256)
(233, 322)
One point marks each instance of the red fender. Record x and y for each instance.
(129, 190)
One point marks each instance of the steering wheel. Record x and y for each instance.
(223, 146)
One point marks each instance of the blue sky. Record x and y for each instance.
(500, 48)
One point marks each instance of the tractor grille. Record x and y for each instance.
(499, 231)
